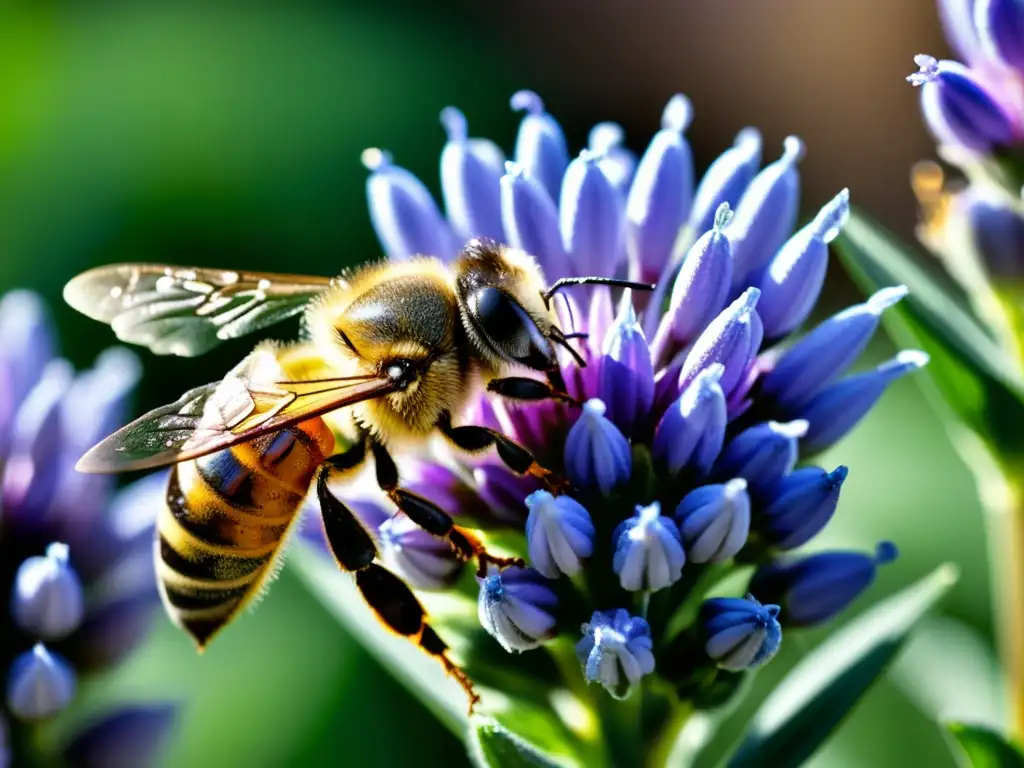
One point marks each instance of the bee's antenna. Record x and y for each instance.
(567, 281)
(556, 335)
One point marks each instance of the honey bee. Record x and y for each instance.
(392, 352)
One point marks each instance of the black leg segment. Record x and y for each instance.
(350, 543)
(531, 390)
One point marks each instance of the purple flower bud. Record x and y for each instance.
(957, 18)
(48, 601)
(39, 685)
(791, 284)
(834, 411)
(700, 289)
(648, 551)
(616, 651)
(559, 534)
(26, 346)
(627, 375)
(113, 629)
(471, 170)
(661, 194)
(714, 521)
(530, 218)
(732, 339)
(502, 491)
(958, 107)
(404, 215)
(741, 632)
(617, 161)
(997, 230)
(811, 590)
(1000, 29)
(726, 179)
(127, 738)
(541, 149)
(762, 454)
(516, 608)
(766, 214)
(824, 354)
(597, 454)
(591, 218)
(692, 431)
(424, 561)
(799, 505)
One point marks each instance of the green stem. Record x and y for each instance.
(660, 753)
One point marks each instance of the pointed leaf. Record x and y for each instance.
(491, 745)
(823, 688)
(984, 748)
(971, 373)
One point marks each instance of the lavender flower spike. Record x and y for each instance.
(714, 521)
(957, 106)
(732, 339)
(404, 215)
(39, 685)
(648, 551)
(515, 607)
(700, 289)
(541, 150)
(590, 217)
(470, 173)
(800, 505)
(833, 412)
(48, 600)
(762, 454)
(742, 633)
(726, 179)
(692, 431)
(627, 374)
(661, 194)
(616, 651)
(559, 534)
(597, 454)
(766, 214)
(1000, 26)
(793, 280)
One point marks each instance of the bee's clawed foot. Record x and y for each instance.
(467, 547)
(557, 484)
(486, 559)
(463, 680)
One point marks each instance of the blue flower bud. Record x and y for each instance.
(516, 608)
(48, 601)
(27, 346)
(813, 589)
(800, 505)
(741, 633)
(531, 219)
(648, 551)
(113, 629)
(597, 454)
(792, 282)
(700, 289)
(824, 354)
(541, 149)
(424, 561)
(559, 534)
(661, 194)
(726, 179)
(617, 161)
(692, 431)
(762, 454)
(732, 339)
(1000, 26)
(471, 171)
(836, 410)
(132, 736)
(714, 521)
(997, 230)
(591, 218)
(627, 374)
(766, 214)
(957, 17)
(616, 651)
(404, 215)
(39, 685)
(958, 108)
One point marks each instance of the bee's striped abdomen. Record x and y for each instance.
(226, 517)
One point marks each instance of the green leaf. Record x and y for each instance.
(972, 374)
(491, 745)
(824, 687)
(985, 748)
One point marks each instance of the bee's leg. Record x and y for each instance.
(386, 594)
(522, 388)
(431, 518)
(474, 438)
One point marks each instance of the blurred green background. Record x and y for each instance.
(229, 134)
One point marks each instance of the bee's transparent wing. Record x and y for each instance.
(187, 311)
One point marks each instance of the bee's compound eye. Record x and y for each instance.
(508, 328)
